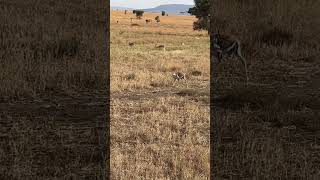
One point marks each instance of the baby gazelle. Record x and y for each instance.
(177, 76)
(225, 46)
(161, 46)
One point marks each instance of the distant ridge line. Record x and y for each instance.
(168, 8)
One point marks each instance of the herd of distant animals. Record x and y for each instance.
(223, 46)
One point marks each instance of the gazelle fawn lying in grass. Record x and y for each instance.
(161, 46)
(226, 46)
(177, 76)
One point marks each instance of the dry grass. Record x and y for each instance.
(268, 129)
(52, 63)
(157, 130)
(42, 50)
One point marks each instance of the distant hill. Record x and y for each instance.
(171, 8)
(120, 8)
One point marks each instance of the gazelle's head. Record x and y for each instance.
(179, 76)
(174, 74)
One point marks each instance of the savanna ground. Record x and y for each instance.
(159, 127)
(52, 94)
(269, 128)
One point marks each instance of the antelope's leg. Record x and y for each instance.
(232, 47)
(219, 56)
(243, 60)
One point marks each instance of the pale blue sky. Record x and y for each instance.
(141, 4)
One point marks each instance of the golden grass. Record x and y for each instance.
(160, 135)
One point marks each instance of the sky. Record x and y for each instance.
(141, 4)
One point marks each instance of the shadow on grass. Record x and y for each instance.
(260, 98)
(274, 106)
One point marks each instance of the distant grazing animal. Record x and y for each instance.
(177, 76)
(161, 46)
(148, 21)
(225, 46)
(131, 44)
(157, 19)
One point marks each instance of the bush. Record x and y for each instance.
(139, 13)
(201, 24)
(201, 11)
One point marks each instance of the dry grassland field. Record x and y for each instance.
(270, 127)
(159, 127)
(52, 101)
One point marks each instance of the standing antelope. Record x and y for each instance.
(225, 46)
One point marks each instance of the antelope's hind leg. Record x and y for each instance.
(242, 59)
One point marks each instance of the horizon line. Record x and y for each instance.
(150, 7)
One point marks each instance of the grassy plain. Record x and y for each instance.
(269, 128)
(52, 72)
(159, 127)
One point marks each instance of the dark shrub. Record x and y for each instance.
(276, 37)
(139, 13)
(201, 11)
(201, 24)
